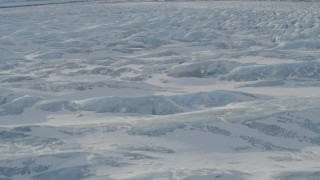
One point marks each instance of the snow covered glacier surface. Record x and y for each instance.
(159, 90)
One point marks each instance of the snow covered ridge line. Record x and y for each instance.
(292, 71)
(23, 3)
(26, 3)
(156, 105)
(162, 105)
(242, 113)
(274, 74)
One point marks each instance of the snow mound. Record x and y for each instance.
(155, 105)
(162, 105)
(55, 105)
(304, 44)
(141, 105)
(18, 105)
(7, 96)
(203, 69)
(293, 71)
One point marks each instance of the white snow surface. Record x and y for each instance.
(226, 90)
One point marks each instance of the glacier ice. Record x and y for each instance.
(159, 90)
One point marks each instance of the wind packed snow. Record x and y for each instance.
(159, 90)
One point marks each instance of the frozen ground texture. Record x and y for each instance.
(159, 90)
